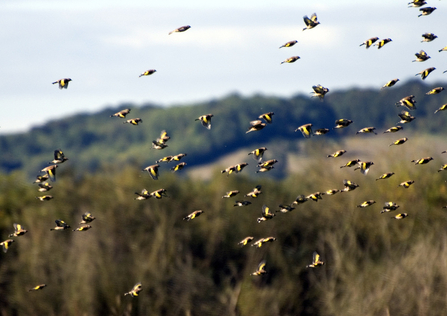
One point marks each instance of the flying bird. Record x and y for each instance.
(393, 129)
(18, 231)
(240, 166)
(134, 121)
(409, 102)
(315, 196)
(192, 215)
(405, 117)
(342, 123)
(59, 157)
(366, 130)
(164, 137)
(305, 129)
(321, 131)
(241, 203)
(266, 215)
(421, 56)
(255, 192)
(310, 22)
(229, 170)
(435, 91)
(349, 185)
(351, 163)
(442, 108)
(178, 157)
(381, 43)
(178, 167)
(366, 203)
(63, 83)
(164, 159)
(369, 42)
(148, 72)
(428, 37)
(158, 145)
(289, 44)
(60, 225)
(267, 117)
(37, 287)
(285, 208)
(261, 269)
(364, 166)
(256, 125)
(331, 192)
(417, 3)
(230, 194)
(406, 184)
(262, 241)
(144, 195)
(422, 161)
(121, 114)
(180, 29)
(258, 153)
(385, 176)
(424, 73)
(389, 206)
(300, 199)
(153, 171)
(390, 83)
(426, 11)
(205, 120)
(50, 171)
(265, 169)
(338, 153)
(40, 179)
(5, 244)
(319, 91)
(245, 241)
(44, 197)
(158, 194)
(315, 261)
(87, 217)
(444, 49)
(291, 59)
(443, 167)
(82, 228)
(137, 288)
(399, 141)
(400, 216)
(45, 187)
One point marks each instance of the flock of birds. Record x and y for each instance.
(319, 91)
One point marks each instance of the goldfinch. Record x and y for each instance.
(121, 114)
(291, 60)
(60, 225)
(205, 120)
(63, 83)
(153, 171)
(148, 72)
(134, 121)
(393, 129)
(267, 117)
(82, 228)
(390, 83)
(18, 231)
(364, 167)
(421, 56)
(366, 203)
(315, 261)
(5, 244)
(258, 153)
(87, 217)
(245, 241)
(178, 167)
(193, 215)
(385, 176)
(310, 22)
(305, 129)
(180, 29)
(255, 125)
(424, 73)
(289, 44)
(261, 269)
(50, 171)
(369, 42)
(37, 287)
(137, 288)
(230, 194)
(422, 161)
(406, 184)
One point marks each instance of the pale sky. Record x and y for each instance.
(232, 46)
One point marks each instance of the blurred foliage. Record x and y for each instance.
(374, 265)
(96, 139)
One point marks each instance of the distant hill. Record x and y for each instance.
(94, 140)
